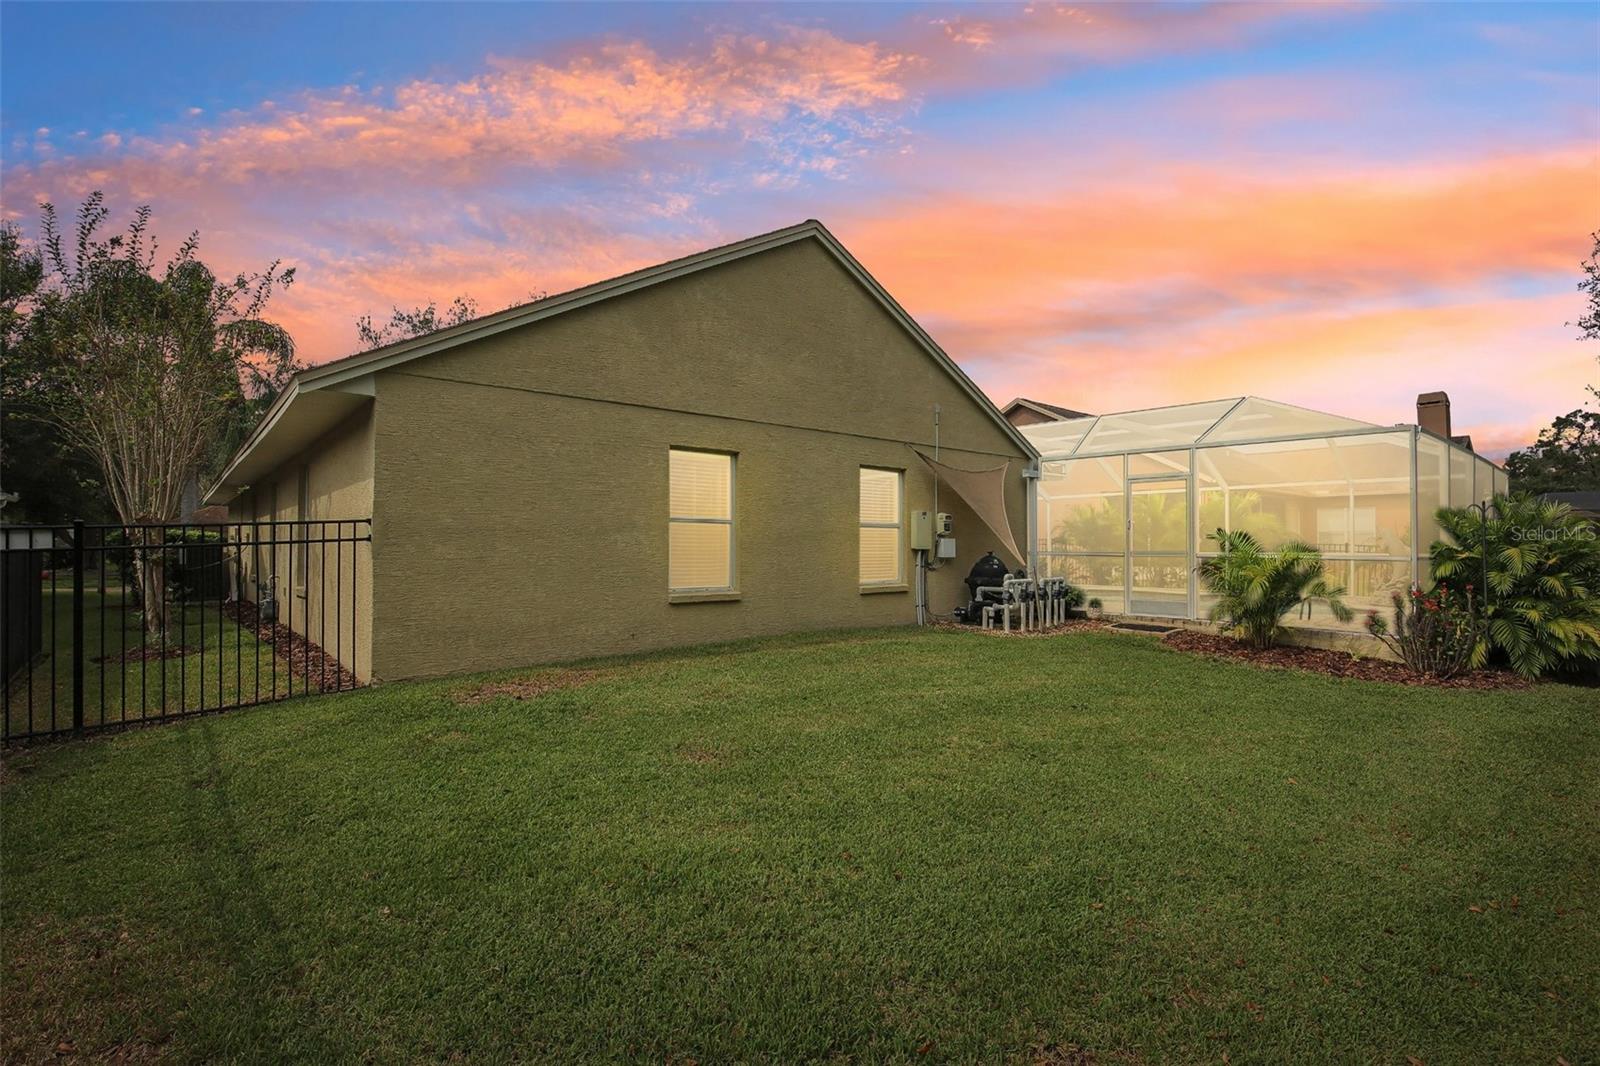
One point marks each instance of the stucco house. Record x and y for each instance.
(729, 444)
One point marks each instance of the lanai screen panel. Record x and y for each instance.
(1099, 576)
(1256, 419)
(1058, 438)
(1483, 481)
(1130, 501)
(1081, 506)
(1433, 492)
(1348, 496)
(1156, 464)
(1460, 477)
(1343, 495)
(1080, 525)
(1160, 427)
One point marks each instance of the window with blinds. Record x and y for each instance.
(882, 529)
(700, 521)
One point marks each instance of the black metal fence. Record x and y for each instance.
(104, 626)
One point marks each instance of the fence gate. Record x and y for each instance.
(103, 626)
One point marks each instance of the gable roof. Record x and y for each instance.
(317, 398)
(1049, 410)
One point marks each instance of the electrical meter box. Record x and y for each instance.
(943, 526)
(921, 531)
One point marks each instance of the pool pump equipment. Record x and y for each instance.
(997, 595)
(985, 582)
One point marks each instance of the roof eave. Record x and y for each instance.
(343, 374)
(299, 416)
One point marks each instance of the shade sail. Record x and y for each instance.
(984, 491)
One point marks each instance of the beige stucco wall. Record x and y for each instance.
(520, 513)
(325, 594)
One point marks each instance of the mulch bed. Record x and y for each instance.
(1282, 657)
(149, 654)
(305, 658)
(528, 688)
(1335, 663)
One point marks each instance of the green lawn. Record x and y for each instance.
(226, 665)
(872, 846)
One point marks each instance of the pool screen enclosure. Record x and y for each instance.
(1126, 505)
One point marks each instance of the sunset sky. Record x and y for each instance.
(1099, 206)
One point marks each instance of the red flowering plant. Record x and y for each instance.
(1437, 632)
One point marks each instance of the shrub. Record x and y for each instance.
(1255, 588)
(1437, 632)
(192, 559)
(1541, 607)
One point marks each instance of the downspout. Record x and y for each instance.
(924, 563)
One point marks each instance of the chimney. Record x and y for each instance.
(1433, 413)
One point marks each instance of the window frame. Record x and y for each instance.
(731, 522)
(898, 525)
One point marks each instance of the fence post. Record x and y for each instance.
(77, 625)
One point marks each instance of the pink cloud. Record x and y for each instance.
(1258, 236)
(1502, 359)
(1102, 274)
(520, 113)
(530, 254)
(1349, 289)
(1014, 44)
(604, 101)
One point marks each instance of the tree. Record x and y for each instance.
(54, 479)
(1589, 322)
(403, 325)
(1255, 588)
(1565, 458)
(140, 365)
(21, 274)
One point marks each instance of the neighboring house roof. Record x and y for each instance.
(1585, 503)
(1049, 410)
(318, 398)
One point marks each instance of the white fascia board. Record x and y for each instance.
(300, 416)
(220, 492)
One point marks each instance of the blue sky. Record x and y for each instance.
(1104, 206)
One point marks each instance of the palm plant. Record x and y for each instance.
(1255, 588)
(1542, 566)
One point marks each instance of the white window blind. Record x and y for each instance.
(700, 522)
(881, 529)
